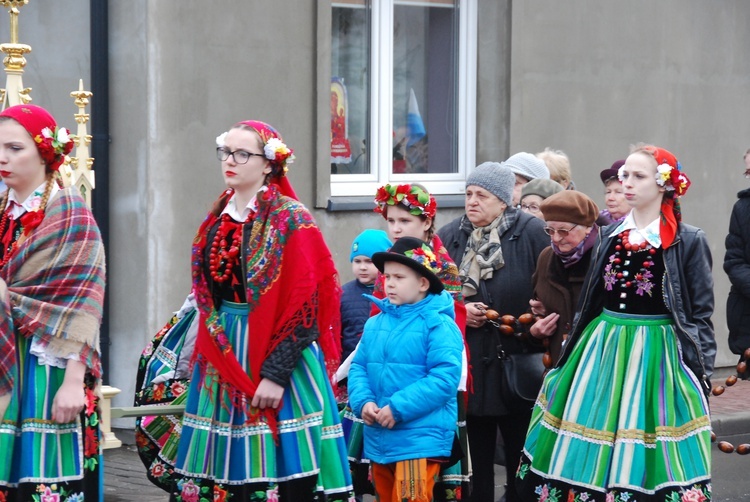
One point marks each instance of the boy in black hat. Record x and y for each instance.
(404, 377)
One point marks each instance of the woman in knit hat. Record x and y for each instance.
(534, 192)
(525, 167)
(497, 247)
(561, 268)
(624, 414)
(260, 419)
(52, 276)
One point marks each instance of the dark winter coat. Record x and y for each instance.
(508, 292)
(559, 288)
(737, 267)
(355, 310)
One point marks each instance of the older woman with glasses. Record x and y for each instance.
(497, 247)
(561, 268)
(534, 192)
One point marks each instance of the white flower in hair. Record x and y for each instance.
(621, 173)
(63, 136)
(662, 175)
(273, 146)
(47, 132)
(221, 139)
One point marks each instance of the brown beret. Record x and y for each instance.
(570, 206)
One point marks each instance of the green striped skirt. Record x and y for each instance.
(622, 420)
(41, 459)
(223, 454)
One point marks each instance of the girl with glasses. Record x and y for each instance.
(624, 414)
(260, 421)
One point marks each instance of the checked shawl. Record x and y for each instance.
(53, 287)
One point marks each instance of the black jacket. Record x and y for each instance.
(689, 291)
(355, 310)
(737, 267)
(508, 292)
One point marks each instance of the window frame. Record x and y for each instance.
(381, 108)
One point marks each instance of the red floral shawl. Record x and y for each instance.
(291, 281)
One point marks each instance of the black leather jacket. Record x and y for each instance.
(689, 290)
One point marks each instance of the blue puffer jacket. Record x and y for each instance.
(409, 358)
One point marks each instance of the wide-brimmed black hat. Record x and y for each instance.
(415, 254)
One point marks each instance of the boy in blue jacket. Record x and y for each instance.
(404, 377)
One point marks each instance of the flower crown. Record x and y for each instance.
(273, 148)
(668, 176)
(413, 197)
(425, 257)
(54, 145)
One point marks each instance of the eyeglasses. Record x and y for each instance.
(239, 156)
(532, 208)
(563, 233)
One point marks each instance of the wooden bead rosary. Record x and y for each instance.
(726, 446)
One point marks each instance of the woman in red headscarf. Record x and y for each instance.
(624, 415)
(51, 294)
(261, 420)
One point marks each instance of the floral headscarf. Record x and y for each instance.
(275, 150)
(670, 176)
(53, 142)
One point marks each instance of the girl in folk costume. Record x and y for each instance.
(624, 415)
(260, 421)
(409, 211)
(51, 292)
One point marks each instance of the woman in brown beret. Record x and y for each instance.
(561, 268)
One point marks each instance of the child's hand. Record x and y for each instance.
(385, 417)
(370, 413)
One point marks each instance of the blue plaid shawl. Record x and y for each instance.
(53, 287)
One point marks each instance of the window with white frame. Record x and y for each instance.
(403, 94)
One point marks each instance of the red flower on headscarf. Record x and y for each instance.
(53, 146)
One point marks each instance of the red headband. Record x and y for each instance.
(52, 142)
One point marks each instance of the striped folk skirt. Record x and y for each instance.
(41, 459)
(622, 420)
(218, 453)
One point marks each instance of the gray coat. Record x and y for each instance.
(508, 292)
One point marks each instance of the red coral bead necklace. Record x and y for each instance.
(224, 254)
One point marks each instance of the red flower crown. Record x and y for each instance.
(414, 198)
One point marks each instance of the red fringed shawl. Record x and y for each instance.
(291, 281)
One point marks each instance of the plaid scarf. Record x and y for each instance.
(484, 251)
(53, 287)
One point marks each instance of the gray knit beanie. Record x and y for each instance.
(527, 165)
(496, 178)
(542, 187)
